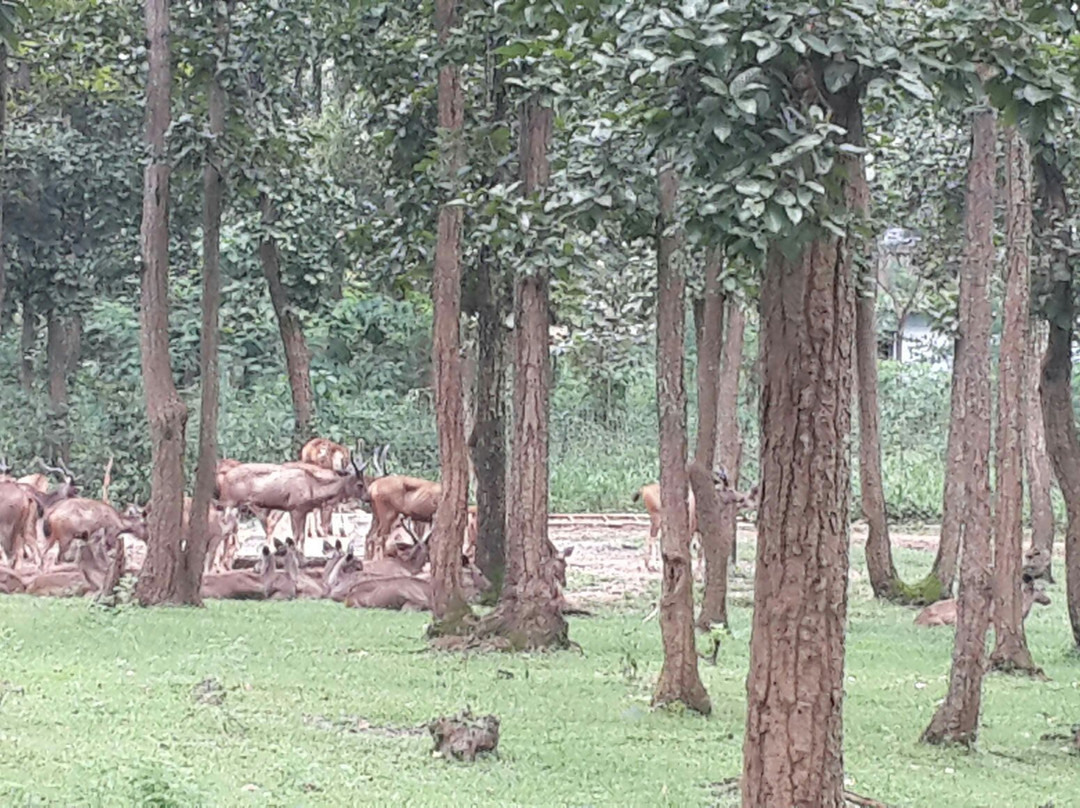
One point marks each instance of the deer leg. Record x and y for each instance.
(654, 530)
(299, 522)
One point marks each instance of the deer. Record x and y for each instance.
(87, 575)
(943, 613)
(79, 517)
(299, 491)
(279, 585)
(224, 536)
(19, 512)
(394, 496)
(403, 593)
(331, 456)
(650, 495)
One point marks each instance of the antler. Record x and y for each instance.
(4, 467)
(382, 459)
(50, 469)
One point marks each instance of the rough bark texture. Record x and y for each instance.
(529, 612)
(63, 338)
(297, 355)
(1011, 651)
(793, 751)
(3, 185)
(879, 560)
(448, 601)
(1056, 389)
(679, 679)
(728, 440)
(488, 439)
(1037, 461)
(198, 539)
(159, 579)
(957, 718)
(710, 514)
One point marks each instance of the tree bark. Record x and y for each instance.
(957, 718)
(793, 749)
(1056, 389)
(679, 678)
(213, 195)
(1037, 461)
(3, 184)
(529, 612)
(63, 336)
(729, 448)
(488, 440)
(297, 355)
(710, 513)
(27, 338)
(1011, 651)
(449, 608)
(159, 581)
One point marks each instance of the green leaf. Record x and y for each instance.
(838, 75)
(722, 130)
(794, 213)
(1036, 95)
(715, 84)
(767, 52)
(748, 187)
(913, 84)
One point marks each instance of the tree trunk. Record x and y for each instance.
(3, 184)
(213, 194)
(449, 608)
(1037, 461)
(957, 718)
(793, 750)
(63, 336)
(679, 679)
(728, 451)
(316, 83)
(297, 355)
(1011, 651)
(488, 440)
(711, 515)
(1056, 389)
(159, 580)
(529, 613)
(27, 338)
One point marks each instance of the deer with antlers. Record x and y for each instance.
(297, 489)
(650, 494)
(397, 497)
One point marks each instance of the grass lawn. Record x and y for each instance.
(319, 706)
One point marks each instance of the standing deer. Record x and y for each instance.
(296, 490)
(78, 518)
(19, 513)
(650, 494)
(330, 456)
(394, 496)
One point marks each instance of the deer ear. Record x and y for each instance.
(337, 545)
(266, 551)
(326, 548)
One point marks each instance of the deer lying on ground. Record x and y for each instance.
(943, 613)
(298, 491)
(11, 582)
(279, 585)
(650, 494)
(86, 575)
(78, 518)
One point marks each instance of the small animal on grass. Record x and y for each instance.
(943, 613)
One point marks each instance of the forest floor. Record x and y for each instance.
(310, 704)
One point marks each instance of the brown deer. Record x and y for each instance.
(650, 495)
(19, 512)
(224, 536)
(78, 518)
(403, 593)
(943, 613)
(279, 585)
(296, 490)
(86, 576)
(11, 582)
(330, 456)
(392, 497)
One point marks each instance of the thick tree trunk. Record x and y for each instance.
(488, 439)
(793, 750)
(1056, 389)
(679, 679)
(213, 194)
(529, 612)
(1037, 461)
(449, 608)
(159, 580)
(3, 184)
(297, 355)
(711, 514)
(957, 718)
(1011, 651)
(27, 338)
(63, 338)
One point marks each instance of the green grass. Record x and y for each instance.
(98, 709)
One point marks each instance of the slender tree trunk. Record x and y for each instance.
(712, 515)
(957, 718)
(1037, 461)
(679, 679)
(63, 336)
(529, 612)
(297, 355)
(793, 750)
(488, 440)
(1011, 651)
(159, 580)
(449, 608)
(27, 338)
(729, 449)
(213, 194)
(1056, 389)
(316, 83)
(879, 561)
